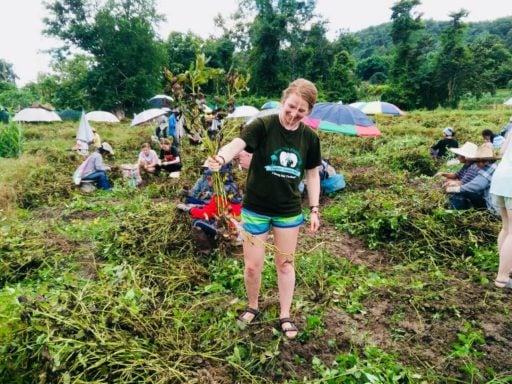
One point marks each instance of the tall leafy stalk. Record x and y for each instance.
(11, 140)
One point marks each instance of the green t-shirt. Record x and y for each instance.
(279, 159)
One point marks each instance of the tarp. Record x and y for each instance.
(101, 116)
(33, 115)
(243, 111)
(84, 135)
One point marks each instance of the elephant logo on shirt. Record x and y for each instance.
(285, 162)
(288, 159)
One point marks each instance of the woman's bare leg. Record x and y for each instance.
(254, 257)
(285, 241)
(505, 248)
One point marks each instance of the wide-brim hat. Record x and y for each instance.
(468, 149)
(484, 152)
(107, 147)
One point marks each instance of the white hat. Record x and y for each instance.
(467, 150)
(106, 146)
(448, 131)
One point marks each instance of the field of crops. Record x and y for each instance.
(110, 288)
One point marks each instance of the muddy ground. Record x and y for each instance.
(421, 338)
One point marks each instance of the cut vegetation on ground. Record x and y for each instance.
(110, 288)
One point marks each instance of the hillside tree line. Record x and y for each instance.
(112, 58)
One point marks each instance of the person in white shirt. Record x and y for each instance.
(148, 159)
(501, 193)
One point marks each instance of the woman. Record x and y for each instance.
(94, 169)
(438, 150)
(490, 137)
(283, 149)
(148, 160)
(501, 192)
(170, 160)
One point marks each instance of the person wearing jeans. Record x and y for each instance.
(95, 170)
(475, 193)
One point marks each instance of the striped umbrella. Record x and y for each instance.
(378, 108)
(342, 119)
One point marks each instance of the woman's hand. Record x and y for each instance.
(215, 163)
(314, 218)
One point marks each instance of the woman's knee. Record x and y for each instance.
(253, 269)
(285, 267)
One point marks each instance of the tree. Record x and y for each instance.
(491, 64)
(316, 54)
(366, 68)
(6, 72)
(277, 27)
(407, 56)
(127, 66)
(182, 49)
(342, 81)
(453, 62)
(73, 74)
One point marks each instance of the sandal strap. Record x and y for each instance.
(506, 284)
(253, 311)
(291, 328)
(250, 310)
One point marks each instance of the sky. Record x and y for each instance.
(23, 45)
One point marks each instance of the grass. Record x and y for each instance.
(108, 287)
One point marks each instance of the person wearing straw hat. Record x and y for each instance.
(475, 194)
(501, 194)
(438, 150)
(284, 150)
(469, 169)
(94, 169)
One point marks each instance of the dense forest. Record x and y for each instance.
(415, 63)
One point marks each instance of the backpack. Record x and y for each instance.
(330, 181)
(332, 184)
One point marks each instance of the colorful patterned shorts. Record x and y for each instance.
(256, 224)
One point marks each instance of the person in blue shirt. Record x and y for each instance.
(469, 169)
(171, 131)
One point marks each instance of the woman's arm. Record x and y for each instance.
(226, 154)
(313, 183)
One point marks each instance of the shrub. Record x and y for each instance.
(11, 140)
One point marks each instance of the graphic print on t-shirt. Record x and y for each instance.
(285, 162)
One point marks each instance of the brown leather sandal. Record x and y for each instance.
(247, 310)
(290, 328)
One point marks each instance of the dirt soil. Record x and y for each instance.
(421, 337)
